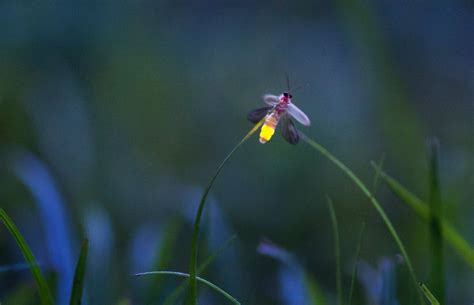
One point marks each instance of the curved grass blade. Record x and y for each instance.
(44, 292)
(179, 290)
(356, 263)
(78, 284)
(337, 250)
(421, 209)
(429, 295)
(372, 200)
(197, 220)
(200, 279)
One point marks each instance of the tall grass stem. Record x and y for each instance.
(337, 249)
(197, 221)
(171, 299)
(356, 263)
(374, 202)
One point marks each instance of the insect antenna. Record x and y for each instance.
(301, 86)
(287, 81)
(287, 77)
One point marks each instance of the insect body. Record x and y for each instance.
(280, 109)
(268, 127)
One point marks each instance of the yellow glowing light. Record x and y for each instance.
(266, 133)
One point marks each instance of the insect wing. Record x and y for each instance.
(299, 115)
(289, 131)
(270, 99)
(257, 115)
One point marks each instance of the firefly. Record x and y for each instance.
(279, 109)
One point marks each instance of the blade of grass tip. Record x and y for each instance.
(171, 299)
(356, 262)
(372, 200)
(197, 220)
(460, 245)
(377, 174)
(200, 279)
(429, 295)
(337, 250)
(78, 283)
(44, 291)
(437, 268)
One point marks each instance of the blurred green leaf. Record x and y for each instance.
(434, 222)
(23, 294)
(78, 284)
(421, 209)
(314, 290)
(124, 301)
(44, 291)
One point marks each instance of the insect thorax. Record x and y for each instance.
(281, 107)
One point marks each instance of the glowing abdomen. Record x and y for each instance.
(268, 128)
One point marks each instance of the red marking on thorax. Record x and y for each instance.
(282, 105)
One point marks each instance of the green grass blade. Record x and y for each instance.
(377, 175)
(437, 265)
(44, 291)
(171, 299)
(372, 200)
(181, 274)
(78, 283)
(449, 233)
(197, 220)
(429, 295)
(337, 250)
(356, 262)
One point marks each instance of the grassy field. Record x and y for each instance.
(130, 173)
